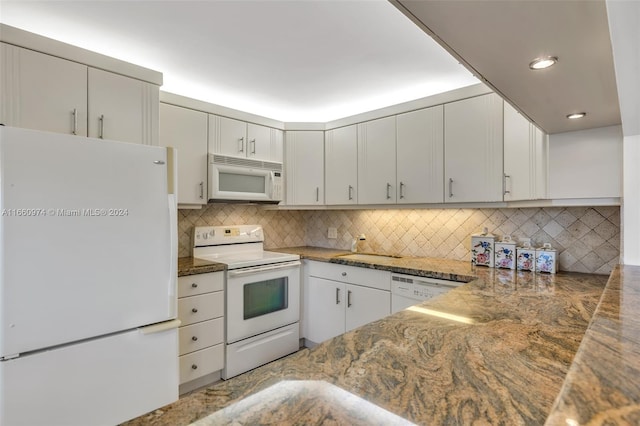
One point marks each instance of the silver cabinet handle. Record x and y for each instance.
(241, 149)
(194, 338)
(450, 187)
(194, 285)
(74, 113)
(504, 184)
(348, 298)
(317, 194)
(101, 126)
(201, 190)
(388, 191)
(337, 296)
(194, 367)
(401, 190)
(253, 142)
(350, 192)
(344, 274)
(194, 310)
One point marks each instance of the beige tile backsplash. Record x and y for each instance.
(587, 238)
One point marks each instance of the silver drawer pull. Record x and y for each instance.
(194, 310)
(344, 274)
(194, 338)
(194, 285)
(194, 367)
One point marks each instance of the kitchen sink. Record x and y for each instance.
(369, 257)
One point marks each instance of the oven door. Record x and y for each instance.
(262, 298)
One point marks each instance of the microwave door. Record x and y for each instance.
(241, 184)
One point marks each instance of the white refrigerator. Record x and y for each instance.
(88, 328)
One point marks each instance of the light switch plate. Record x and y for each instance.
(332, 233)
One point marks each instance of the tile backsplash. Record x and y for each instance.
(281, 228)
(587, 238)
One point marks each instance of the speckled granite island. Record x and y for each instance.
(506, 348)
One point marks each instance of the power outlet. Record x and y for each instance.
(332, 233)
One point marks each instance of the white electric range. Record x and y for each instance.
(262, 295)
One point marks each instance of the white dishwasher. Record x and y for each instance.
(409, 290)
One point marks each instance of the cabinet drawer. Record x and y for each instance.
(201, 363)
(199, 336)
(201, 283)
(200, 308)
(366, 277)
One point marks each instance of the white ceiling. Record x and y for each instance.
(293, 61)
(498, 39)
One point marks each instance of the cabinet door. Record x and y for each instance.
(326, 309)
(227, 136)
(377, 161)
(420, 156)
(42, 92)
(365, 305)
(261, 140)
(186, 130)
(473, 150)
(341, 166)
(524, 158)
(277, 145)
(304, 167)
(122, 108)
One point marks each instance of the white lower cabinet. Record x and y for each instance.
(342, 298)
(201, 336)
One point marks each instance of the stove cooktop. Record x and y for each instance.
(248, 258)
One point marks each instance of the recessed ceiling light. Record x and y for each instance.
(576, 115)
(542, 63)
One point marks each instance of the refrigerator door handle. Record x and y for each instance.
(172, 185)
(173, 258)
(160, 327)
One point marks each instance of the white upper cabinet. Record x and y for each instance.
(42, 92)
(264, 143)
(420, 156)
(341, 166)
(186, 130)
(122, 108)
(473, 150)
(227, 136)
(304, 167)
(525, 158)
(240, 139)
(377, 161)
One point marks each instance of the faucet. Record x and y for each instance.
(354, 242)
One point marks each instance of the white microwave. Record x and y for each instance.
(242, 179)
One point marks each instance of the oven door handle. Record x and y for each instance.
(258, 269)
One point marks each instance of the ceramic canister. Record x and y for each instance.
(482, 246)
(526, 257)
(546, 259)
(505, 253)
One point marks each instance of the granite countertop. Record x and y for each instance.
(193, 266)
(498, 350)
